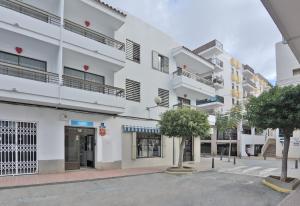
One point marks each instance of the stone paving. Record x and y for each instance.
(72, 176)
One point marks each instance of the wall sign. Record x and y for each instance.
(102, 130)
(79, 123)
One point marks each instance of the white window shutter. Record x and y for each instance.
(155, 61)
(133, 146)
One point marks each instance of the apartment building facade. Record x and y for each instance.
(79, 87)
(239, 83)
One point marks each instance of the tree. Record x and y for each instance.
(226, 122)
(184, 123)
(277, 108)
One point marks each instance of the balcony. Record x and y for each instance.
(211, 103)
(209, 49)
(24, 85)
(249, 85)
(185, 58)
(248, 71)
(190, 84)
(218, 64)
(77, 83)
(26, 73)
(235, 63)
(76, 37)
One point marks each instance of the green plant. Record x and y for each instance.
(183, 123)
(277, 108)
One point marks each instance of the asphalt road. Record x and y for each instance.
(201, 189)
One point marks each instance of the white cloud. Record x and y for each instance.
(243, 26)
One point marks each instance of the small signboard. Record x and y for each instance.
(79, 123)
(102, 130)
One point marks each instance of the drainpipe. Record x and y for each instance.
(60, 52)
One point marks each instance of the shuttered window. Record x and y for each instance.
(133, 51)
(160, 62)
(133, 90)
(164, 95)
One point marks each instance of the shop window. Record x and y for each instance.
(148, 145)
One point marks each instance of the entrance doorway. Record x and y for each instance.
(188, 150)
(79, 148)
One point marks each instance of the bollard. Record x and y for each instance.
(234, 160)
(296, 164)
(213, 163)
(221, 157)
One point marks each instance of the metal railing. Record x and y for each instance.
(216, 98)
(78, 29)
(31, 11)
(250, 82)
(217, 62)
(47, 17)
(186, 73)
(26, 73)
(248, 68)
(77, 83)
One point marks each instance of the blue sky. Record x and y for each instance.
(243, 26)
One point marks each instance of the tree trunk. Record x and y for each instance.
(181, 151)
(285, 152)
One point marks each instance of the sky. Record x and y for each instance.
(243, 26)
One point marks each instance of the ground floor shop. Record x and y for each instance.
(47, 140)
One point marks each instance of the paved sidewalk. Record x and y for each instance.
(292, 200)
(72, 176)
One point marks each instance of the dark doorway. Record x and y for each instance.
(206, 148)
(188, 150)
(79, 147)
(257, 149)
(224, 149)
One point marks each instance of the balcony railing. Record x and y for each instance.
(77, 83)
(31, 11)
(250, 82)
(217, 62)
(186, 73)
(25, 73)
(69, 25)
(248, 68)
(88, 33)
(217, 98)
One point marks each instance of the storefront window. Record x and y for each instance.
(148, 145)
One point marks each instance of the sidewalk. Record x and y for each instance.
(72, 176)
(292, 200)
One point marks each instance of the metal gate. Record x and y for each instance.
(18, 148)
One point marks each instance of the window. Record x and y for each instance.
(184, 101)
(232, 86)
(133, 90)
(237, 88)
(232, 70)
(237, 73)
(133, 51)
(164, 95)
(233, 101)
(148, 145)
(160, 62)
(296, 72)
(23, 61)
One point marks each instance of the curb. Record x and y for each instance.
(75, 181)
(275, 187)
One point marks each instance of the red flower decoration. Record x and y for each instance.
(19, 50)
(87, 23)
(86, 67)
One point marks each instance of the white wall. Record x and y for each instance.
(31, 48)
(285, 63)
(251, 140)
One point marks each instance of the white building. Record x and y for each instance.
(239, 83)
(78, 81)
(286, 15)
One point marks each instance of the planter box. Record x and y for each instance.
(275, 183)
